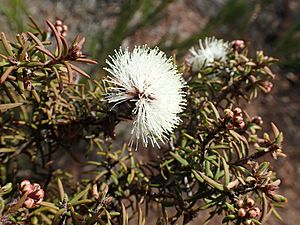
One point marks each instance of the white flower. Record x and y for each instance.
(149, 80)
(211, 49)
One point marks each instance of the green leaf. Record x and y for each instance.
(256, 221)
(263, 167)
(213, 107)
(6, 189)
(78, 196)
(60, 189)
(58, 218)
(197, 176)
(275, 130)
(210, 181)
(179, 159)
(124, 215)
(228, 218)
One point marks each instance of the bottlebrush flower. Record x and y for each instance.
(211, 49)
(150, 82)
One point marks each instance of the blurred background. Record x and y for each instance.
(175, 25)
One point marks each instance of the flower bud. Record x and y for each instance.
(27, 189)
(241, 124)
(24, 183)
(65, 28)
(257, 211)
(242, 212)
(267, 86)
(29, 203)
(229, 126)
(40, 195)
(58, 23)
(237, 111)
(238, 45)
(250, 202)
(252, 213)
(238, 119)
(257, 120)
(240, 203)
(36, 186)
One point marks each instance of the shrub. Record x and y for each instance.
(211, 153)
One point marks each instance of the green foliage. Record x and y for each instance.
(214, 161)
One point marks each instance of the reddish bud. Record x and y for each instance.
(40, 195)
(241, 125)
(250, 202)
(24, 183)
(267, 86)
(229, 126)
(252, 213)
(257, 120)
(36, 186)
(242, 212)
(237, 111)
(257, 210)
(238, 45)
(29, 203)
(238, 119)
(58, 23)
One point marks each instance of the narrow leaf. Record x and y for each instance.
(6, 44)
(7, 106)
(211, 182)
(79, 71)
(57, 37)
(179, 159)
(6, 73)
(124, 215)
(60, 189)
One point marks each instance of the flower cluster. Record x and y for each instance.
(247, 210)
(234, 118)
(211, 49)
(34, 192)
(150, 82)
(61, 28)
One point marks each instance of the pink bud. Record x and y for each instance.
(242, 212)
(65, 27)
(238, 45)
(237, 111)
(58, 23)
(250, 202)
(28, 189)
(257, 210)
(238, 119)
(242, 124)
(40, 195)
(36, 186)
(24, 183)
(229, 126)
(29, 203)
(252, 213)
